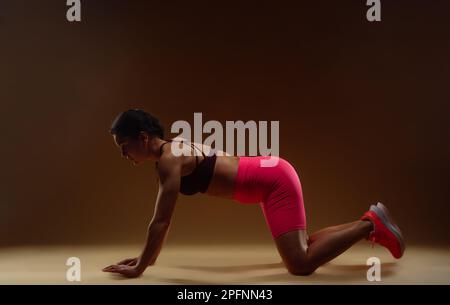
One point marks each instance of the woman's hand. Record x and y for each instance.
(125, 270)
(129, 261)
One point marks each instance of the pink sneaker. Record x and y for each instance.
(385, 232)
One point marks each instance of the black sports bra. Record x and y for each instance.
(200, 178)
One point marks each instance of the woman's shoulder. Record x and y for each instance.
(168, 165)
(168, 159)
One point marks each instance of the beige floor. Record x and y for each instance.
(230, 264)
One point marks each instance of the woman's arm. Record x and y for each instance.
(169, 170)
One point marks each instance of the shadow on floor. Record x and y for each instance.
(233, 269)
(330, 272)
(181, 281)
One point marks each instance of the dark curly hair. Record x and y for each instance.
(131, 122)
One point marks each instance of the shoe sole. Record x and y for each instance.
(384, 209)
(391, 227)
(388, 215)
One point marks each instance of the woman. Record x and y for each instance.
(140, 136)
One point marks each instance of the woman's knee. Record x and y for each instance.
(293, 249)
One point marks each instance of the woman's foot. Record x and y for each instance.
(386, 232)
(384, 209)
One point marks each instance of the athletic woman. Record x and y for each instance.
(140, 137)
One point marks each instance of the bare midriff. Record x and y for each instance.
(222, 182)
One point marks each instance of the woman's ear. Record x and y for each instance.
(144, 136)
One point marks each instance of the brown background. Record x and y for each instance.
(363, 110)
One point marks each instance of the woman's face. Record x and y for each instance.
(134, 150)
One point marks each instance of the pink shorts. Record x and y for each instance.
(277, 189)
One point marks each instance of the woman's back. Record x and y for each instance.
(193, 157)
